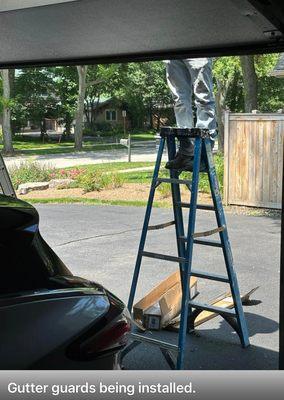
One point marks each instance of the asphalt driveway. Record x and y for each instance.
(101, 243)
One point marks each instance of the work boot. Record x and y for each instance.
(180, 162)
(184, 157)
(184, 163)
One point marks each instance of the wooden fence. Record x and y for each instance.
(253, 164)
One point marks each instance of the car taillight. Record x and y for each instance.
(110, 338)
(108, 333)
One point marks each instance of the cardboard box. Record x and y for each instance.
(163, 303)
(152, 318)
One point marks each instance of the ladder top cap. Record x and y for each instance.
(190, 132)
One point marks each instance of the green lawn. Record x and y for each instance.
(107, 174)
(114, 166)
(33, 148)
(143, 136)
(146, 176)
(80, 200)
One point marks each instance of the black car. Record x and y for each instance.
(51, 319)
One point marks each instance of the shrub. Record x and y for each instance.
(164, 190)
(88, 131)
(97, 180)
(30, 172)
(90, 181)
(103, 126)
(113, 180)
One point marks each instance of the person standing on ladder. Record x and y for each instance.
(186, 77)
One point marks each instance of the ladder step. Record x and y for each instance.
(160, 226)
(214, 309)
(173, 180)
(198, 206)
(163, 257)
(210, 232)
(209, 275)
(161, 344)
(205, 242)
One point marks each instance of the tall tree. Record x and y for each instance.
(250, 83)
(66, 90)
(270, 89)
(35, 92)
(226, 72)
(78, 134)
(102, 80)
(6, 105)
(145, 90)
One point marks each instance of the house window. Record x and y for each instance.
(111, 115)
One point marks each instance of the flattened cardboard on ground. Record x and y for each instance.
(224, 301)
(161, 304)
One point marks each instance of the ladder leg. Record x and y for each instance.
(5, 181)
(221, 220)
(186, 295)
(176, 199)
(145, 224)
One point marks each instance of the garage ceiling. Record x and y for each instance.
(111, 30)
(8, 5)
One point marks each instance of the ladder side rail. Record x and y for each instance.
(145, 224)
(5, 180)
(176, 198)
(186, 295)
(226, 247)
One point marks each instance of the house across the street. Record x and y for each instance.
(108, 110)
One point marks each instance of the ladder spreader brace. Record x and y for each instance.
(190, 309)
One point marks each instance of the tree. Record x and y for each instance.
(66, 91)
(102, 80)
(250, 83)
(78, 134)
(228, 91)
(270, 89)
(144, 89)
(35, 92)
(6, 105)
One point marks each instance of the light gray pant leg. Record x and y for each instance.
(200, 70)
(179, 82)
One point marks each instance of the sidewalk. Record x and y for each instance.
(141, 152)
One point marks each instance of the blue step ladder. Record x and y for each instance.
(190, 308)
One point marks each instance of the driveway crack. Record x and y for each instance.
(97, 237)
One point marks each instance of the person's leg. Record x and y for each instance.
(179, 82)
(200, 70)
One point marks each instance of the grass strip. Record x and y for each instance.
(80, 200)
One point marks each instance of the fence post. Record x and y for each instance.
(226, 158)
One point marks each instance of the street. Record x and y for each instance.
(101, 242)
(141, 151)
